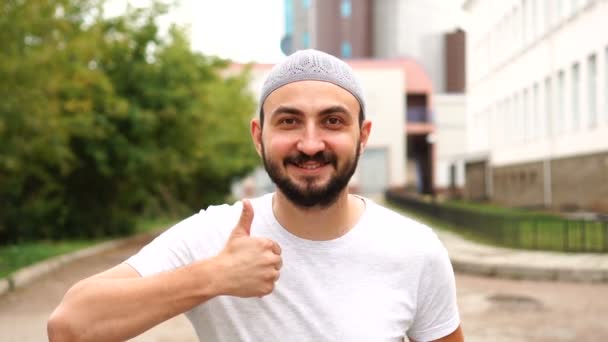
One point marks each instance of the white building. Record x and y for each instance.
(537, 106)
(450, 139)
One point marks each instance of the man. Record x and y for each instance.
(350, 270)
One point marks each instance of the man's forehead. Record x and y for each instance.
(310, 94)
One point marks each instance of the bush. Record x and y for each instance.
(103, 121)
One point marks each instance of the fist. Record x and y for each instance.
(250, 265)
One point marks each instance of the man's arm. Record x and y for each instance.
(455, 336)
(118, 304)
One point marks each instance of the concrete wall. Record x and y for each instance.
(450, 136)
(519, 185)
(571, 183)
(580, 182)
(476, 189)
(384, 89)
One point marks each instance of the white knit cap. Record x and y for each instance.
(313, 65)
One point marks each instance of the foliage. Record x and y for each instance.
(103, 120)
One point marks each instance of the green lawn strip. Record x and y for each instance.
(14, 257)
(487, 208)
(437, 224)
(536, 231)
(17, 256)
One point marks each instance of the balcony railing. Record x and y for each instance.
(418, 114)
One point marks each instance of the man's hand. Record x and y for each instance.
(248, 266)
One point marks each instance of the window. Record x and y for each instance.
(346, 50)
(346, 8)
(306, 40)
(606, 84)
(592, 90)
(548, 16)
(559, 11)
(525, 113)
(561, 96)
(575, 96)
(548, 107)
(534, 20)
(524, 21)
(574, 4)
(535, 123)
(288, 17)
(517, 115)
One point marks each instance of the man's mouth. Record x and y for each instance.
(310, 165)
(311, 162)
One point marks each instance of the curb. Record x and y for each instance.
(30, 273)
(523, 272)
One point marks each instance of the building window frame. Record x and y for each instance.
(306, 40)
(346, 8)
(575, 103)
(548, 107)
(592, 89)
(346, 49)
(560, 112)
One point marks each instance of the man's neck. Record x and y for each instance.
(318, 223)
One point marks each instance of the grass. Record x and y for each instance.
(435, 223)
(15, 257)
(517, 229)
(492, 209)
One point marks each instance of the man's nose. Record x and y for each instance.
(311, 141)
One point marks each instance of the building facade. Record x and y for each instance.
(417, 33)
(537, 81)
(343, 28)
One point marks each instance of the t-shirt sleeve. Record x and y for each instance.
(172, 249)
(436, 309)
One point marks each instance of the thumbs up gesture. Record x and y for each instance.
(250, 265)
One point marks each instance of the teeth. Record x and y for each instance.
(309, 166)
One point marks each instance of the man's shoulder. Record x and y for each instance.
(394, 225)
(392, 218)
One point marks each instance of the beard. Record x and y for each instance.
(310, 194)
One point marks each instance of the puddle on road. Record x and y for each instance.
(515, 302)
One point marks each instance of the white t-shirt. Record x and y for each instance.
(386, 278)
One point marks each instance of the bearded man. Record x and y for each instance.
(350, 269)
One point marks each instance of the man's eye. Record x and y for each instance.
(288, 121)
(334, 121)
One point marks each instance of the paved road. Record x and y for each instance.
(492, 309)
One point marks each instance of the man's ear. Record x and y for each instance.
(256, 135)
(366, 127)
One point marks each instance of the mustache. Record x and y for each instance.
(321, 157)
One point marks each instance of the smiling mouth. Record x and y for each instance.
(309, 165)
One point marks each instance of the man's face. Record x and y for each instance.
(311, 141)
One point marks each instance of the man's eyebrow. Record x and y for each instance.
(282, 109)
(335, 109)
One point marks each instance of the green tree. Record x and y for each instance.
(105, 120)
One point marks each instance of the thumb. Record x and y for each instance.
(243, 227)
